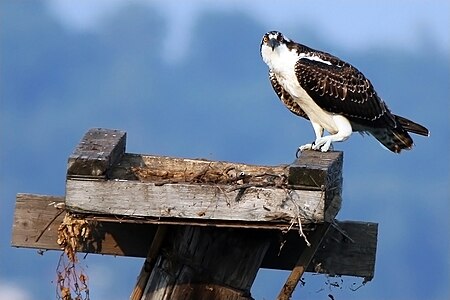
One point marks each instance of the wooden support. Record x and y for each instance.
(189, 201)
(207, 263)
(149, 263)
(205, 191)
(132, 237)
(303, 262)
(191, 189)
(36, 221)
(205, 227)
(348, 248)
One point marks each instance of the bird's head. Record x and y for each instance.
(273, 39)
(273, 45)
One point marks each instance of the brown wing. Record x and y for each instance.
(285, 97)
(340, 88)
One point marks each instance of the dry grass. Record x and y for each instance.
(72, 282)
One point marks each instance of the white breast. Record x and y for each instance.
(282, 62)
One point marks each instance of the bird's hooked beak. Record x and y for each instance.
(273, 43)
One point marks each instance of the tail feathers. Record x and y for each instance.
(413, 127)
(396, 139)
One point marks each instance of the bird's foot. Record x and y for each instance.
(303, 148)
(322, 144)
(306, 147)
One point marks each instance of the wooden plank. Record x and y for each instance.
(193, 201)
(33, 224)
(348, 256)
(34, 216)
(338, 255)
(124, 237)
(160, 187)
(96, 153)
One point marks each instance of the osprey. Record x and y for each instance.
(333, 95)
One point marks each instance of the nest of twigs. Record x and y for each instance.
(217, 173)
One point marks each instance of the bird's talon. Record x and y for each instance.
(303, 148)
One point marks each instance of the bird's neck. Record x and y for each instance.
(280, 60)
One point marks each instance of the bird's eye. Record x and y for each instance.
(265, 39)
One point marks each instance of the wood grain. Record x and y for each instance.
(207, 263)
(162, 187)
(132, 237)
(98, 150)
(193, 201)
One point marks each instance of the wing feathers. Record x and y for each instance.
(340, 88)
(412, 126)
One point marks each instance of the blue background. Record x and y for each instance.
(186, 79)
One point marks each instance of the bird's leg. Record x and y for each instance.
(318, 130)
(344, 131)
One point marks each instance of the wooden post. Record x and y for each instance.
(207, 263)
(205, 227)
(149, 263)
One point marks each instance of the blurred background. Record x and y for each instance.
(186, 79)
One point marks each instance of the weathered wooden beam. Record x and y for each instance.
(124, 237)
(149, 263)
(348, 248)
(354, 252)
(36, 222)
(324, 170)
(162, 187)
(316, 169)
(193, 201)
(303, 261)
(96, 153)
(205, 263)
